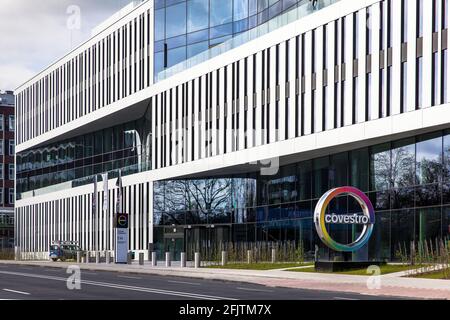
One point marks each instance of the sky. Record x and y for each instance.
(36, 33)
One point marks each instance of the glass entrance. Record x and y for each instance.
(208, 240)
(173, 242)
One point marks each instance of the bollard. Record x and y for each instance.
(83, 259)
(78, 256)
(154, 259)
(129, 258)
(183, 260)
(168, 262)
(87, 257)
(224, 258)
(249, 256)
(108, 257)
(197, 260)
(97, 257)
(141, 259)
(274, 255)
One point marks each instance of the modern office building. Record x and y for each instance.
(7, 144)
(230, 119)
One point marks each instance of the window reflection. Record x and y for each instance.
(403, 158)
(405, 178)
(197, 15)
(175, 20)
(240, 9)
(160, 24)
(210, 22)
(221, 12)
(115, 148)
(380, 167)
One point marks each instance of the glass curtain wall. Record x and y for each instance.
(408, 182)
(185, 28)
(126, 147)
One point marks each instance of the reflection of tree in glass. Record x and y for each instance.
(403, 160)
(429, 171)
(446, 167)
(393, 168)
(208, 196)
(381, 170)
(158, 196)
(200, 197)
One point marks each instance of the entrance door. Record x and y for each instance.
(174, 242)
(208, 240)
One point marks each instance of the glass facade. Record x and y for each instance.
(126, 147)
(185, 28)
(408, 182)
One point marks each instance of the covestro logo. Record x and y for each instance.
(366, 220)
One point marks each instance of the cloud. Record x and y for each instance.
(34, 34)
(12, 75)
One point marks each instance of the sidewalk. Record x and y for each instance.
(389, 285)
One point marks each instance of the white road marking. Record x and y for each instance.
(128, 277)
(183, 282)
(124, 287)
(342, 298)
(250, 289)
(15, 291)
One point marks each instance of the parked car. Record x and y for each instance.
(64, 250)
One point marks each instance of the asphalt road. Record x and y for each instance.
(45, 283)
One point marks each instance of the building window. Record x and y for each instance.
(389, 23)
(1, 196)
(389, 91)
(405, 21)
(355, 100)
(12, 123)
(419, 18)
(2, 142)
(11, 171)
(1, 122)
(419, 85)
(11, 149)
(11, 196)
(1, 170)
(368, 95)
(435, 89)
(382, 112)
(356, 35)
(221, 12)
(404, 99)
(435, 16)
(444, 14)
(369, 31)
(444, 98)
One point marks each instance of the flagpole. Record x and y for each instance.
(95, 201)
(105, 208)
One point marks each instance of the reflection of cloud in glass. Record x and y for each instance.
(198, 15)
(240, 9)
(221, 12)
(429, 149)
(176, 20)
